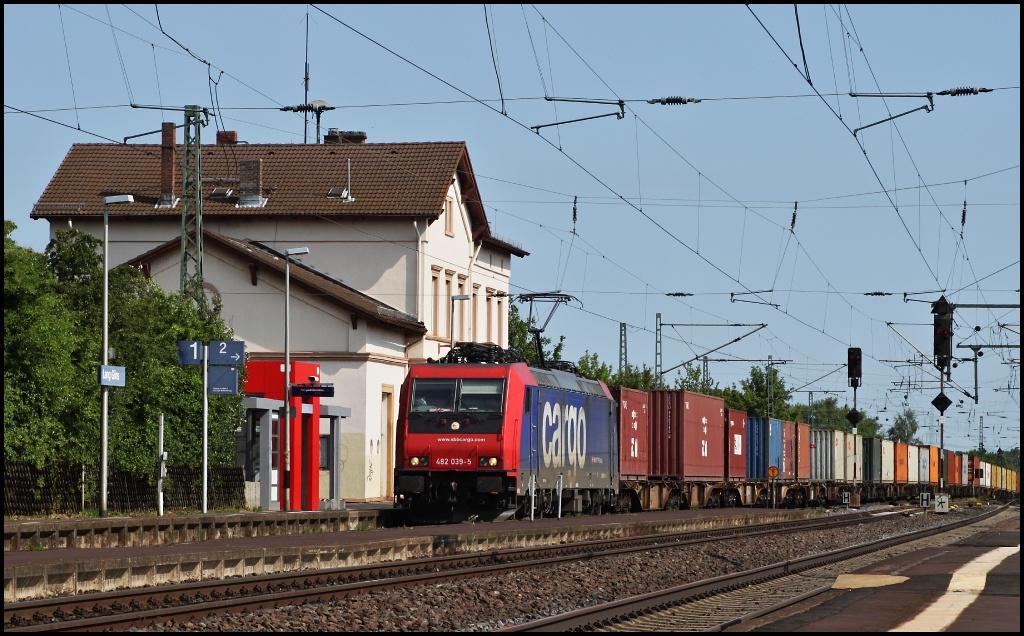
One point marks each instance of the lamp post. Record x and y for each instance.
(286, 469)
(104, 389)
(451, 321)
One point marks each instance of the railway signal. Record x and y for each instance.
(943, 332)
(853, 366)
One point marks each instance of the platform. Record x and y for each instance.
(122, 532)
(66, 571)
(969, 586)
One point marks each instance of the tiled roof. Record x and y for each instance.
(393, 179)
(262, 256)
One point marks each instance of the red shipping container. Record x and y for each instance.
(735, 444)
(665, 426)
(703, 437)
(902, 463)
(803, 451)
(974, 463)
(633, 432)
(788, 468)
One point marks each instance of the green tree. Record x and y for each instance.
(146, 324)
(52, 341)
(869, 427)
(904, 428)
(631, 377)
(46, 395)
(691, 378)
(757, 392)
(591, 367)
(823, 414)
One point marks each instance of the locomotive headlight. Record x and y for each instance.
(493, 461)
(414, 461)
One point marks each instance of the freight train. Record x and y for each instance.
(481, 436)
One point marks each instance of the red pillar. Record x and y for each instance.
(266, 378)
(311, 470)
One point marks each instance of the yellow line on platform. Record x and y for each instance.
(967, 583)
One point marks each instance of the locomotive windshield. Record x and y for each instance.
(433, 395)
(459, 406)
(481, 396)
(474, 396)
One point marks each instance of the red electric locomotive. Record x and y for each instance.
(485, 437)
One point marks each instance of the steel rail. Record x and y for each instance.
(123, 608)
(623, 610)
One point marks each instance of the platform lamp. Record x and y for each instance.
(104, 389)
(451, 321)
(286, 432)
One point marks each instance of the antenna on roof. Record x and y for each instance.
(317, 107)
(305, 100)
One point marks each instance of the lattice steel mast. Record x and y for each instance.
(192, 200)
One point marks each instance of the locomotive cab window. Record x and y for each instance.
(433, 395)
(481, 396)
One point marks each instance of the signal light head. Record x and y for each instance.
(853, 366)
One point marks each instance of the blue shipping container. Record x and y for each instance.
(776, 455)
(757, 448)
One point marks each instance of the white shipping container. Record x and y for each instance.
(888, 461)
(986, 481)
(924, 464)
(828, 455)
(838, 450)
(965, 467)
(913, 464)
(854, 457)
(820, 468)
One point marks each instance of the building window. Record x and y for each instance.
(435, 281)
(501, 322)
(462, 308)
(448, 298)
(490, 315)
(449, 217)
(476, 315)
(325, 452)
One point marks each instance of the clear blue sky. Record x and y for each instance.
(697, 198)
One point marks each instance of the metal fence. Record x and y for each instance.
(66, 489)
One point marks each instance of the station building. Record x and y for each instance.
(394, 231)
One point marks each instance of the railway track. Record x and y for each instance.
(137, 607)
(716, 604)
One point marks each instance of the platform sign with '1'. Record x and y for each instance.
(190, 352)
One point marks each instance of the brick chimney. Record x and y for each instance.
(168, 165)
(250, 183)
(335, 136)
(227, 137)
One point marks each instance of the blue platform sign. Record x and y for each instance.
(111, 376)
(190, 352)
(227, 352)
(223, 381)
(312, 390)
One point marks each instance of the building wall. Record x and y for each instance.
(360, 363)
(377, 256)
(392, 260)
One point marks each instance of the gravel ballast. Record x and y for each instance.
(490, 602)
